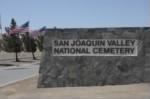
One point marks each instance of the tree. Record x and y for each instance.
(7, 43)
(0, 44)
(13, 24)
(29, 44)
(33, 47)
(13, 41)
(39, 42)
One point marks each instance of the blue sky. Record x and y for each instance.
(76, 13)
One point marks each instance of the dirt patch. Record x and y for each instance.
(28, 89)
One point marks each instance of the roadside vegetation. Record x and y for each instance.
(21, 39)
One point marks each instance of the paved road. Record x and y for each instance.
(12, 74)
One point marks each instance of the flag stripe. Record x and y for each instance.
(21, 29)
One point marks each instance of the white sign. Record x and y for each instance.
(95, 47)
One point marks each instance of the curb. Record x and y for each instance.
(14, 59)
(23, 65)
(15, 81)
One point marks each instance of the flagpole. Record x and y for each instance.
(1, 24)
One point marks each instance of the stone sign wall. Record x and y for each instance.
(61, 71)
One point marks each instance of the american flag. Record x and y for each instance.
(43, 29)
(22, 29)
(38, 32)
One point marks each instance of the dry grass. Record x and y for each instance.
(8, 59)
